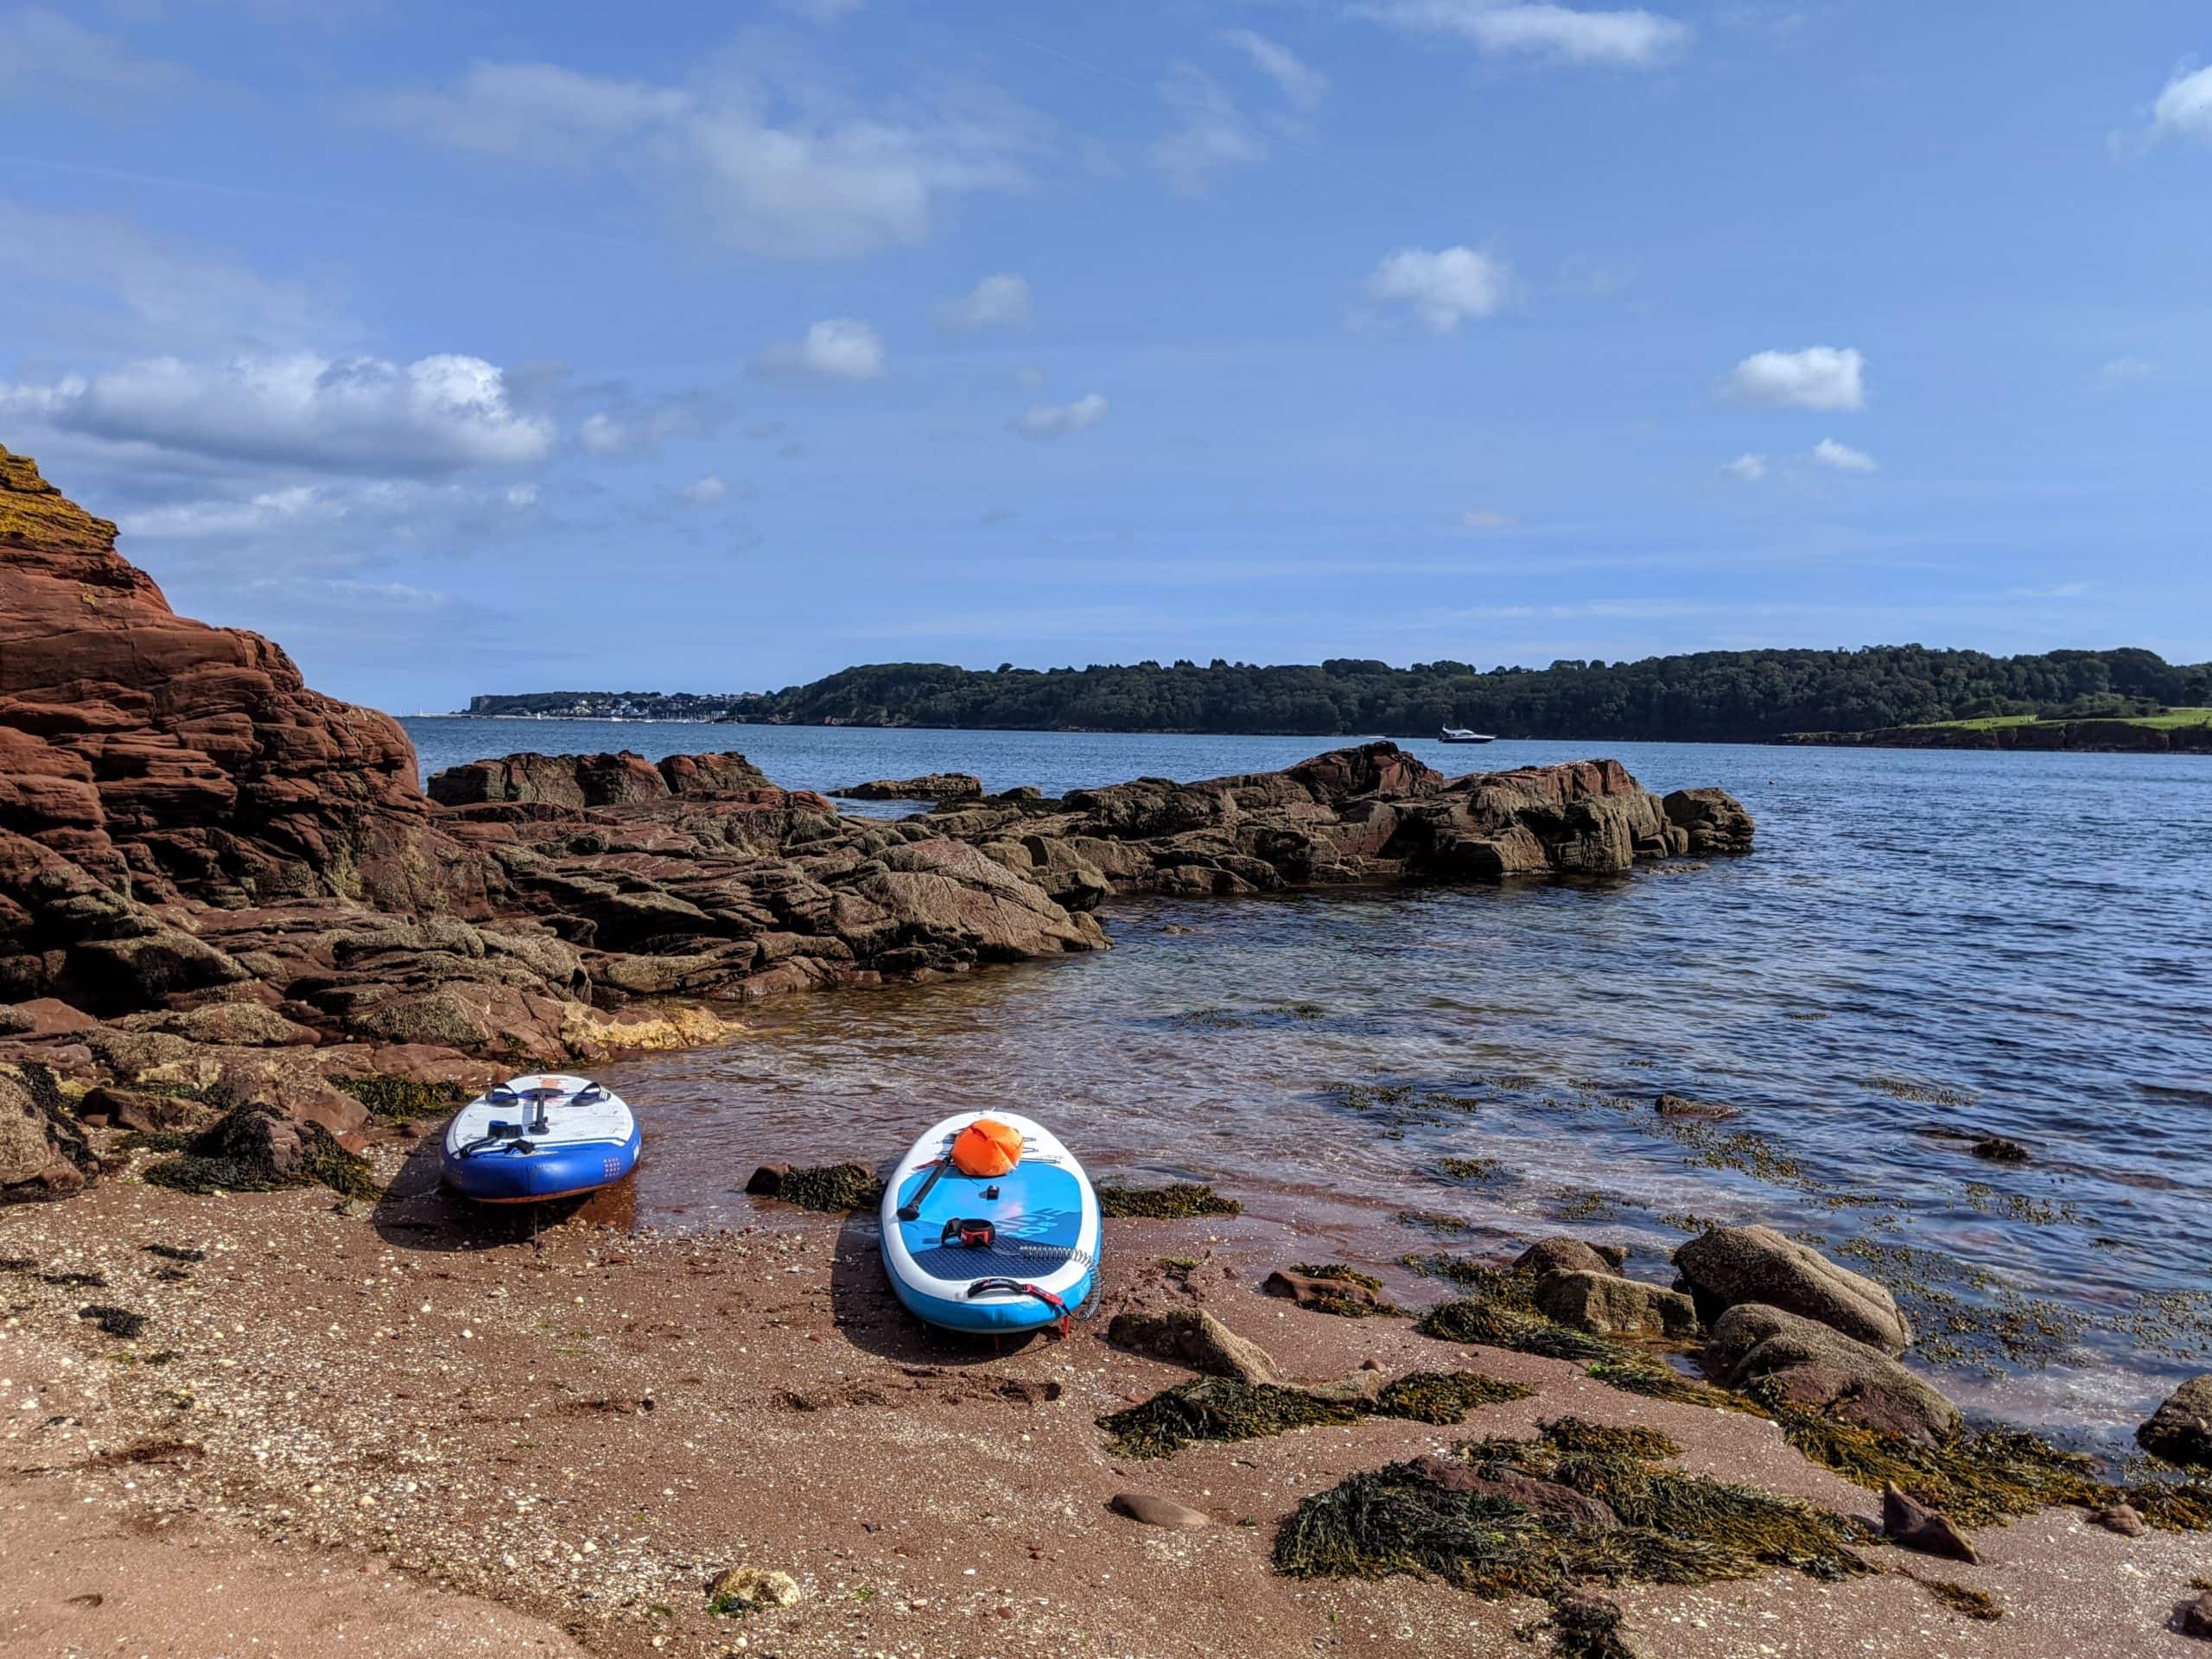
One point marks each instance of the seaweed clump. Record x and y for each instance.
(1472, 1318)
(1223, 1409)
(833, 1187)
(121, 1322)
(240, 1153)
(1177, 1201)
(402, 1100)
(1673, 1528)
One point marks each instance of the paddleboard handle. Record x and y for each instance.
(1000, 1287)
(912, 1210)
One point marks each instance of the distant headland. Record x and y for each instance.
(1902, 696)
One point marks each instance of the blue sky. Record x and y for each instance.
(507, 347)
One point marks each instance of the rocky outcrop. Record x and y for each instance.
(1608, 1305)
(1731, 1265)
(1814, 1367)
(204, 866)
(2180, 1431)
(933, 786)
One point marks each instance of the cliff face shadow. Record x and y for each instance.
(870, 1315)
(417, 1213)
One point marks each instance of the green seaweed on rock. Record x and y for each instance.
(1472, 1319)
(232, 1155)
(1225, 1408)
(835, 1188)
(1676, 1529)
(402, 1100)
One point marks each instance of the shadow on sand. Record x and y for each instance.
(417, 1213)
(870, 1316)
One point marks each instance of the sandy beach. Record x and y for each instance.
(379, 1427)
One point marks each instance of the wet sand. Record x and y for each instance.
(428, 1437)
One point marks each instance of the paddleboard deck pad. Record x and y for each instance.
(999, 1255)
(550, 1135)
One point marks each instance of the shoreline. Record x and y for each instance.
(624, 1417)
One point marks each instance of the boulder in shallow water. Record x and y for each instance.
(933, 786)
(1607, 1303)
(1731, 1265)
(1561, 1254)
(2000, 1150)
(1819, 1369)
(1682, 1107)
(2180, 1431)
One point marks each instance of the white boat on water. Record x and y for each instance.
(1461, 735)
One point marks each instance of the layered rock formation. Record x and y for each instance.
(218, 882)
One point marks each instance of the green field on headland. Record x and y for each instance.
(2186, 730)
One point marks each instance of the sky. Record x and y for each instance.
(491, 347)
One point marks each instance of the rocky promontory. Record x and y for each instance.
(220, 885)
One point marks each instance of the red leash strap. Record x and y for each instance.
(984, 1286)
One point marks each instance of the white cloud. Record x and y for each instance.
(1486, 519)
(380, 506)
(522, 497)
(1842, 456)
(781, 167)
(999, 302)
(1059, 420)
(1443, 286)
(1636, 38)
(49, 59)
(362, 414)
(836, 348)
(1214, 134)
(1029, 375)
(1304, 86)
(1749, 468)
(2126, 372)
(705, 492)
(1820, 377)
(2185, 106)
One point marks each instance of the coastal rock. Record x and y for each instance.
(2122, 1518)
(932, 786)
(1729, 1265)
(2180, 1431)
(1149, 1510)
(1912, 1524)
(1194, 1338)
(1562, 1253)
(142, 1110)
(2000, 1150)
(43, 1154)
(1818, 1368)
(1606, 1304)
(1711, 821)
(746, 1589)
(2197, 1617)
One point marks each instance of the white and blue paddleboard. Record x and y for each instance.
(533, 1138)
(1031, 1262)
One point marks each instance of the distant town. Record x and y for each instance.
(614, 705)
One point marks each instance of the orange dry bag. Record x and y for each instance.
(986, 1148)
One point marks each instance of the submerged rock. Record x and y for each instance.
(1564, 1255)
(1818, 1368)
(1682, 1107)
(1731, 1265)
(2180, 1431)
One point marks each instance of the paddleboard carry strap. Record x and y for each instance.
(988, 1286)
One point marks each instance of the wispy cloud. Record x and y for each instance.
(1842, 456)
(1301, 84)
(1749, 468)
(836, 348)
(1060, 420)
(2184, 107)
(999, 302)
(1636, 39)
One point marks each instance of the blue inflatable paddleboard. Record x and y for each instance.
(534, 1138)
(1001, 1254)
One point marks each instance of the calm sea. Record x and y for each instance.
(1926, 947)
